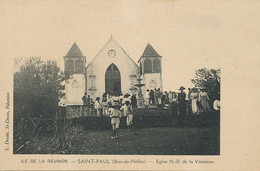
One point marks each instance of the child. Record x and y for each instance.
(115, 121)
(128, 112)
(98, 106)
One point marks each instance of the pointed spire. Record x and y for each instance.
(74, 51)
(150, 52)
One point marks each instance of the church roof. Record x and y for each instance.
(109, 41)
(149, 52)
(75, 51)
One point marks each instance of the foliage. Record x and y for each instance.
(210, 79)
(37, 90)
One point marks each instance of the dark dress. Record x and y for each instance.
(182, 104)
(133, 101)
(151, 97)
(163, 99)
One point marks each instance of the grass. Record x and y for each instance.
(198, 135)
(151, 141)
(144, 141)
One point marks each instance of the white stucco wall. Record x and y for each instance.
(102, 61)
(74, 89)
(151, 81)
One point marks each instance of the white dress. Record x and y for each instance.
(194, 99)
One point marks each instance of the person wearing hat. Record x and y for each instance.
(115, 115)
(182, 103)
(127, 98)
(98, 106)
(115, 99)
(194, 101)
(204, 100)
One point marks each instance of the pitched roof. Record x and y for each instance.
(75, 51)
(150, 52)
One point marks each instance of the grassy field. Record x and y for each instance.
(199, 135)
(143, 141)
(148, 141)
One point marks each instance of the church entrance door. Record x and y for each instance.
(112, 80)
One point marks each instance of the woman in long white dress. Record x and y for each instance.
(204, 100)
(194, 100)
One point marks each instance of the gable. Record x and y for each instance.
(149, 52)
(74, 52)
(112, 51)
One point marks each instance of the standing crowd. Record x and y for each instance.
(101, 105)
(112, 106)
(197, 101)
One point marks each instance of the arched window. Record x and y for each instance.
(156, 66)
(147, 66)
(112, 67)
(79, 67)
(69, 66)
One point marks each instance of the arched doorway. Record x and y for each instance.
(112, 80)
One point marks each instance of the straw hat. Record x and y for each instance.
(182, 88)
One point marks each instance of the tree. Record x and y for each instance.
(37, 90)
(210, 79)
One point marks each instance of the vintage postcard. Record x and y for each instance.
(129, 85)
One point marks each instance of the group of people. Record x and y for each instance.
(112, 106)
(197, 101)
(101, 105)
(158, 98)
(115, 115)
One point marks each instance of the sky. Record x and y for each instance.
(187, 34)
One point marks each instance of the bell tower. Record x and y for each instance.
(151, 68)
(74, 63)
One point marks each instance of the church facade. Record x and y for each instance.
(111, 71)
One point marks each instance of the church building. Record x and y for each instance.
(111, 71)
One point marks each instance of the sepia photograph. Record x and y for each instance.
(114, 105)
(142, 85)
(144, 91)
